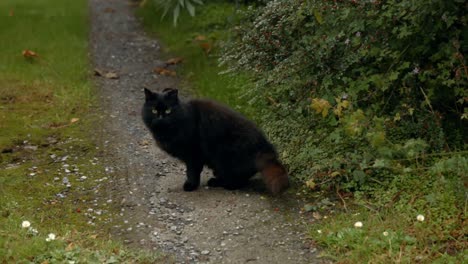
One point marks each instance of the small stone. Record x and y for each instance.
(205, 252)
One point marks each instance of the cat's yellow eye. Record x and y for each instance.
(168, 111)
(154, 111)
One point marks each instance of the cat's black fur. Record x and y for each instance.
(202, 132)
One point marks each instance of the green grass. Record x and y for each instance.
(436, 192)
(439, 238)
(39, 96)
(200, 69)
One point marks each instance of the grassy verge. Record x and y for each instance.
(50, 170)
(391, 230)
(196, 40)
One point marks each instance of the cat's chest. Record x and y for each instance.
(173, 142)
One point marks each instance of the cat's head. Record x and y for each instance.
(160, 105)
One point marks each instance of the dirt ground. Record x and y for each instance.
(209, 225)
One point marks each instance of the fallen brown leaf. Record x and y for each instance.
(11, 12)
(29, 54)
(74, 120)
(108, 75)
(206, 47)
(163, 71)
(70, 247)
(111, 75)
(56, 125)
(200, 38)
(317, 215)
(98, 72)
(174, 61)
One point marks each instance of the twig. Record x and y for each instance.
(342, 200)
(427, 100)
(272, 101)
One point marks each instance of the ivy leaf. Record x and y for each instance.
(320, 106)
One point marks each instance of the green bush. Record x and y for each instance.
(357, 90)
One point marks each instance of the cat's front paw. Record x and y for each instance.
(190, 186)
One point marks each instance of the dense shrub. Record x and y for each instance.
(357, 90)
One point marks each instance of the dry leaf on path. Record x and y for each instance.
(174, 61)
(163, 71)
(108, 75)
(111, 75)
(74, 120)
(98, 72)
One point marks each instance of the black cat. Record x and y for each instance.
(202, 132)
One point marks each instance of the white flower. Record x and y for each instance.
(319, 231)
(50, 237)
(358, 224)
(358, 34)
(25, 224)
(416, 70)
(420, 218)
(347, 41)
(33, 231)
(385, 233)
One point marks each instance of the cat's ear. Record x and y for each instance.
(149, 95)
(171, 94)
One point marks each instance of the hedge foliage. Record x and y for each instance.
(357, 90)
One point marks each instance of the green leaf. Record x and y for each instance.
(176, 14)
(359, 176)
(309, 207)
(318, 16)
(190, 8)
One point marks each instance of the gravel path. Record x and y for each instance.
(208, 225)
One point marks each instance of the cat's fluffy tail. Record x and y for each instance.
(274, 174)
